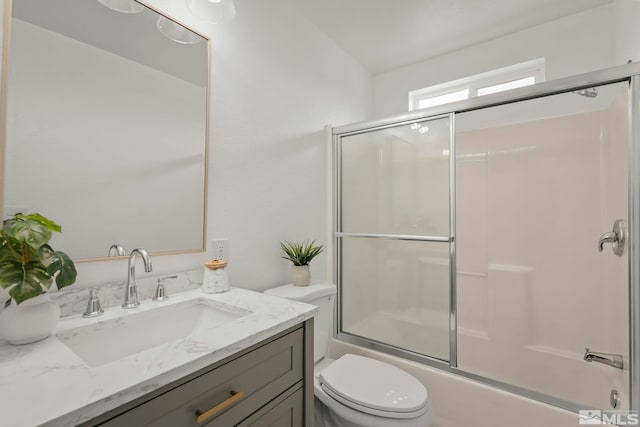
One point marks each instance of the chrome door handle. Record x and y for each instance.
(617, 238)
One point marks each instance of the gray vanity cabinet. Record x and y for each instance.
(285, 411)
(265, 385)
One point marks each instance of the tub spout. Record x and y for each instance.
(614, 360)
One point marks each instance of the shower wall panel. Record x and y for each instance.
(538, 182)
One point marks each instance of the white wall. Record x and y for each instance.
(276, 82)
(627, 30)
(571, 45)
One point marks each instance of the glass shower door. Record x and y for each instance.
(538, 184)
(393, 236)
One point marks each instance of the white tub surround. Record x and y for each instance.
(45, 383)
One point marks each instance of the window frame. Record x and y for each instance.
(534, 68)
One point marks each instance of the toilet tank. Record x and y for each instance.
(320, 294)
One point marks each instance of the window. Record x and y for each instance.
(507, 78)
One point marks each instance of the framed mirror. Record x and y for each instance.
(106, 125)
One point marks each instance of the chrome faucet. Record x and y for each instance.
(116, 250)
(131, 291)
(614, 360)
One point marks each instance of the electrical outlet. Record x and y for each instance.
(220, 248)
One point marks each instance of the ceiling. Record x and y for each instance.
(387, 34)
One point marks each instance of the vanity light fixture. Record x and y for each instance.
(212, 11)
(176, 32)
(124, 6)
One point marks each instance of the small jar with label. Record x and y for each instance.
(215, 278)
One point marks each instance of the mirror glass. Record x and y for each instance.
(107, 125)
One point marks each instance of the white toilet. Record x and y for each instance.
(356, 391)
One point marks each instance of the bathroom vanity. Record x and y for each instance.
(238, 358)
(256, 387)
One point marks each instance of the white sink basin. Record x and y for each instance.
(113, 339)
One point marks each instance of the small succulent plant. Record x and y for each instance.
(301, 253)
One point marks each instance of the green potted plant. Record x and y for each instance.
(28, 268)
(301, 254)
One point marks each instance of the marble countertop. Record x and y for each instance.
(45, 383)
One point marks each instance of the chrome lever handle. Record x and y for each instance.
(161, 293)
(609, 237)
(617, 237)
(94, 308)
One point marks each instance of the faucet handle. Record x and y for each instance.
(94, 308)
(161, 293)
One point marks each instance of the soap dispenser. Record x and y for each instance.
(215, 277)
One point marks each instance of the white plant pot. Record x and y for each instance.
(301, 275)
(31, 321)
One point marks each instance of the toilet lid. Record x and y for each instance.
(373, 386)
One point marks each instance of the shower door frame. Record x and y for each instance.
(626, 73)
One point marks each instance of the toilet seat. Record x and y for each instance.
(374, 387)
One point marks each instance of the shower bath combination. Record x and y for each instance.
(509, 232)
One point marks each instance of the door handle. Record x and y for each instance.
(617, 237)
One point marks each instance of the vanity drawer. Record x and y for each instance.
(285, 411)
(256, 378)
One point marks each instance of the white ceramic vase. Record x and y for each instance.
(301, 275)
(31, 321)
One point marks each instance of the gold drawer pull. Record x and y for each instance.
(204, 416)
